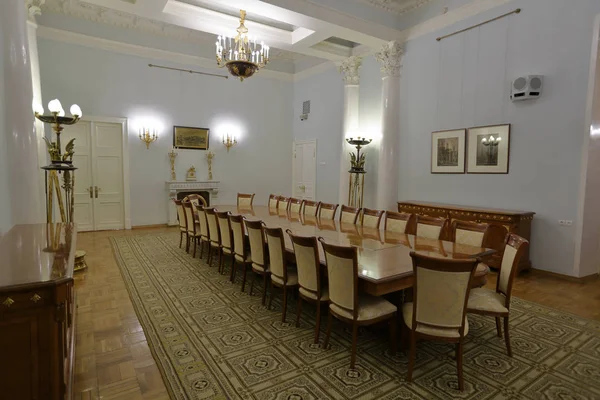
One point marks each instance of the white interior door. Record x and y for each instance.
(305, 168)
(107, 170)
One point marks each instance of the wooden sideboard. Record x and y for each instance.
(36, 312)
(502, 221)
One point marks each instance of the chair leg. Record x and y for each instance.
(180, 238)
(255, 277)
(298, 311)
(412, 356)
(195, 243)
(354, 344)
(318, 324)
(232, 274)
(393, 329)
(264, 296)
(498, 327)
(210, 253)
(245, 266)
(271, 296)
(220, 260)
(187, 242)
(201, 248)
(459, 358)
(507, 336)
(284, 303)
(328, 333)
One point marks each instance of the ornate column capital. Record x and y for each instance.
(390, 57)
(349, 68)
(34, 7)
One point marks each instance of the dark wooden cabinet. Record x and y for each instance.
(36, 312)
(502, 221)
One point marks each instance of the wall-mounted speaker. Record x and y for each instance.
(527, 87)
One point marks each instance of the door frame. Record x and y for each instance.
(125, 158)
(294, 143)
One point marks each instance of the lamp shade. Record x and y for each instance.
(61, 112)
(38, 108)
(54, 106)
(75, 110)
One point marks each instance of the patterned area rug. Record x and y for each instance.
(212, 341)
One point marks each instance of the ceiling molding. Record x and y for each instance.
(316, 70)
(69, 37)
(397, 7)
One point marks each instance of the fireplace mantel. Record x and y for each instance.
(174, 187)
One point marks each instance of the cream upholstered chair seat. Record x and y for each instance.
(313, 295)
(227, 251)
(487, 300)
(292, 276)
(241, 259)
(407, 314)
(369, 307)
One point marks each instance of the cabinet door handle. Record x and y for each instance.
(90, 190)
(97, 189)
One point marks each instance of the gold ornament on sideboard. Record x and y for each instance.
(209, 157)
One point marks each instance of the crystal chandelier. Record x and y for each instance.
(241, 55)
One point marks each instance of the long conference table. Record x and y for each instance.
(384, 262)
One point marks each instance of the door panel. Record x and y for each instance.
(305, 169)
(83, 209)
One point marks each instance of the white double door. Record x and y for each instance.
(99, 193)
(305, 169)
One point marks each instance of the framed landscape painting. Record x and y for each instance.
(448, 152)
(185, 137)
(488, 149)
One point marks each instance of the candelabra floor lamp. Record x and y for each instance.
(61, 164)
(356, 185)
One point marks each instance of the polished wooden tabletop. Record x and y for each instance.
(37, 255)
(384, 262)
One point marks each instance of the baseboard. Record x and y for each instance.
(149, 226)
(583, 279)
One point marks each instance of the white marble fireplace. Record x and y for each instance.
(174, 187)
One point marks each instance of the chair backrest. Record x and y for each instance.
(273, 200)
(306, 250)
(283, 203)
(295, 205)
(371, 218)
(342, 273)
(431, 227)
(189, 217)
(327, 211)
(256, 237)
(398, 222)
(311, 208)
(244, 200)
(202, 222)
(196, 200)
(237, 230)
(449, 279)
(349, 214)
(213, 225)
(180, 214)
(225, 230)
(514, 248)
(276, 246)
(469, 233)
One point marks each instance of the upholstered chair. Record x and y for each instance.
(182, 222)
(327, 211)
(398, 222)
(311, 289)
(310, 208)
(273, 200)
(283, 204)
(349, 214)
(497, 303)
(295, 205)
(431, 227)
(345, 302)
(281, 276)
(193, 236)
(244, 200)
(214, 236)
(226, 238)
(196, 200)
(472, 234)
(241, 254)
(441, 317)
(371, 218)
(258, 249)
(203, 225)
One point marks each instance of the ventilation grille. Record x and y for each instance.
(306, 107)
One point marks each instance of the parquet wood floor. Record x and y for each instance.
(112, 357)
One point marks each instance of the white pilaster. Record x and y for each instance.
(350, 71)
(390, 58)
(21, 140)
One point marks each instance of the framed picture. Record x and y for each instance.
(488, 149)
(185, 137)
(448, 152)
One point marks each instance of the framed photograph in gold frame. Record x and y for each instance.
(187, 137)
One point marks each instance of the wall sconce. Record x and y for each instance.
(229, 141)
(147, 137)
